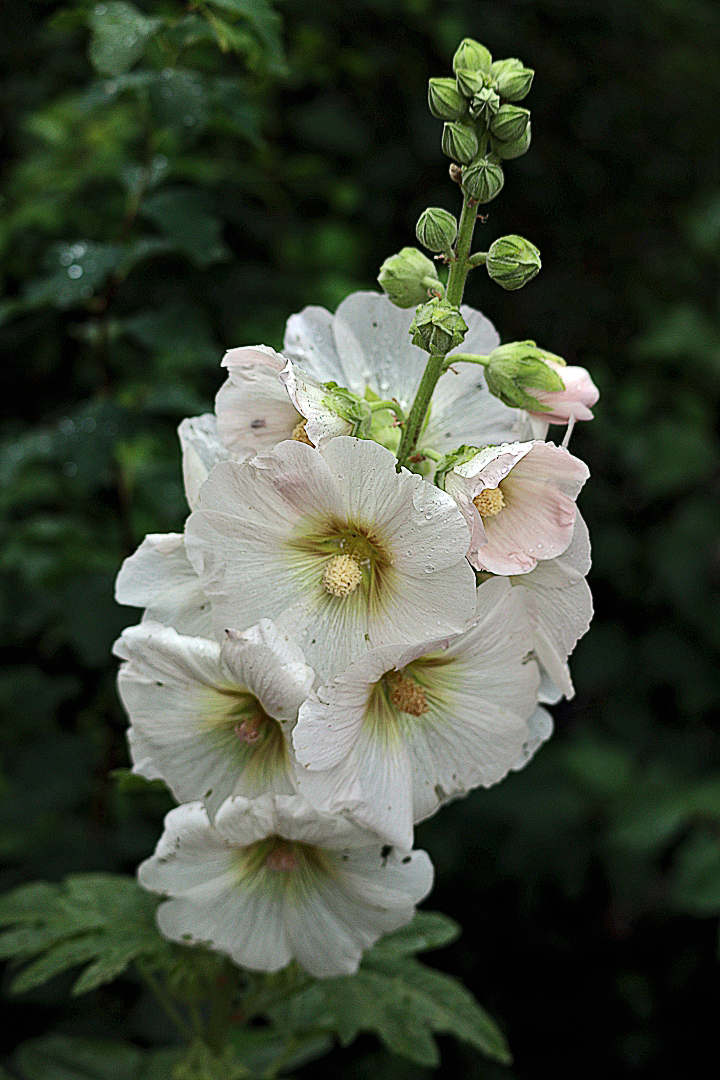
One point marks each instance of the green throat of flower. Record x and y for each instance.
(286, 865)
(251, 738)
(349, 559)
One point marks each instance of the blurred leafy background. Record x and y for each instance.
(178, 179)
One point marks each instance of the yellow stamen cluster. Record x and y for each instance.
(489, 502)
(300, 435)
(342, 575)
(405, 694)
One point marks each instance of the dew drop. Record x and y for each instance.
(75, 271)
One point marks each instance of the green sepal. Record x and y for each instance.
(438, 327)
(519, 365)
(349, 407)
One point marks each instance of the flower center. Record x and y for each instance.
(489, 502)
(250, 730)
(406, 694)
(282, 858)
(299, 434)
(342, 575)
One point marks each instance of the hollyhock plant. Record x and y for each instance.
(213, 720)
(339, 549)
(159, 578)
(274, 881)
(575, 402)
(519, 501)
(403, 730)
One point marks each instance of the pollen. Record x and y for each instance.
(249, 730)
(300, 435)
(342, 575)
(489, 502)
(405, 694)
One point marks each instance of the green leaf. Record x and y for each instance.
(696, 875)
(119, 35)
(262, 1051)
(61, 1057)
(78, 270)
(428, 930)
(265, 24)
(179, 100)
(103, 920)
(399, 999)
(185, 217)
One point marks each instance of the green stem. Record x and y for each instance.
(436, 362)
(165, 1002)
(391, 406)
(478, 259)
(465, 358)
(222, 1007)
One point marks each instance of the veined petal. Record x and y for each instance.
(253, 409)
(308, 396)
(159, 577)
(202, 450)
(209, 719)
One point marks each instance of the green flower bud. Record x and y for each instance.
(513, 79)
(470, 82)
(445, 100)
(438, 327)
(436, 229)
(407, 277)
(514, 149)
(483, 180)
(484, 105)
(521, 364)
(459, 142)
(472, 55)
(513, 261)
(509, 122)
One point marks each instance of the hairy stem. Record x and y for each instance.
(465, 358)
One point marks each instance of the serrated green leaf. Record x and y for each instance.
(696, 875)
(61, 1057)
(120, 33)
(262, 1050)
(265, 23)
(103, 920)
(401, 1001)
(428, 930)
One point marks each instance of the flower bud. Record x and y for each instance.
(514, 149)
(404, 277)
(513, 261)
(438, 327)
(470, 82)
(459, 142)
(509, 123)
(517, 369)
(484, 106)
(472, 55)
(483, 180)
(513, 79)
(436, 229)
(445, 100)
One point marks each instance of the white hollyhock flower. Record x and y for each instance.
(159, 578)
(309, 397)
(253, 409)
(519, 501)
(559, 605)
(213, 720)
(403, 730)
(274, 882)
(366, 346)
(340, 549)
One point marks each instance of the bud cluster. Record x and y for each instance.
(483, 125)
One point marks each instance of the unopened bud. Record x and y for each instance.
(445, 100)
(519, 367)
(509, 122)
(407, 277)
(438, 327)
(484, 106)
(512, 261)
(512, 78)
(459, 142)
(513, 149)
(436, 229)
(483, 180)
(470, 82)
(471, 55)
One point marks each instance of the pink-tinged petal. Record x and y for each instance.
(250, 356)
(308, 397)
(575, 401)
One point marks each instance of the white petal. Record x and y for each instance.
(160, 578)
(250, 356)
(309, 339)
(308, 396)
(191, 858)
(540, 727)
(253, 409)
(201, 452)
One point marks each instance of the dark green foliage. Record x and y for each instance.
(206, 189)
